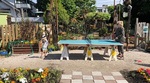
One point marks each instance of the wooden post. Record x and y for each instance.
(135, 33)
(6, 35)
(16, 31)
(149, 32)
(10, 33)
(13, 32)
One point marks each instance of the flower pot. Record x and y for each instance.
(3, 53)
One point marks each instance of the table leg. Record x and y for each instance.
(65, 53)
(85, 50)
(89, 54)
(107, 50)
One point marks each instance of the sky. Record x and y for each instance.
(99, 3)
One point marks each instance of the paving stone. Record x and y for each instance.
(88, 81)
(64, 76)
(119, 78)
(116, 74)
(96, 73)
(86, 73)
(109, 78)
(106, 73)
(76, 73)
(121, 81)
(77, 77)
(93, 77)
(77, 81)
(98, 77)
(99, 81)
(87, 77)
(110, 81)
(64, 81)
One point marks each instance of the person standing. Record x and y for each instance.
(115, 26)
(44, 46)
(120, 37)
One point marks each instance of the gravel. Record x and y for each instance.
(134, 59)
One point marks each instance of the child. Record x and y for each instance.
(113, 54)
(44, 47)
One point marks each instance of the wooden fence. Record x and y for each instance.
(142, 32)
(12, 32)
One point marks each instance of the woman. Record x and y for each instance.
(120, 37)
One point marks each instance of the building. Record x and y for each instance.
(103, 9)
(20, 9)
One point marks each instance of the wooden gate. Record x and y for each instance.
(142, 33)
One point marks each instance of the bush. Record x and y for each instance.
(20, 75)
(103, 31)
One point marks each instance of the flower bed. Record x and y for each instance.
(137, 76)
(145, 73)
(21, 75)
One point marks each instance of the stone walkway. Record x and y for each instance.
(93, 77)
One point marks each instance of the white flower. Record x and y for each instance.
(23, 80)
(6, 78)
(4, 75)
(40, 70)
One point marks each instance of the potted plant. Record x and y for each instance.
(3, 52)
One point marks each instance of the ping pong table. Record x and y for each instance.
(87, 44)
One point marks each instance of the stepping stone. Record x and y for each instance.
(66, 76)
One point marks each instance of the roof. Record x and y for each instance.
(33, 19)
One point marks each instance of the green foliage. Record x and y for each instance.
(42, 4)
(103, 16)
(110, 9)
(84, 6)
(141, 10)
(63, 15)
(52, 46)
(70, 6)
(103, 31)
(98, 16)
(50, 14)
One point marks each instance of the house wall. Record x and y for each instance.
(11, 1)
(3, 6)
(3, 20)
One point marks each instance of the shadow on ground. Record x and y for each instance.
(146, 65)
(75, 56)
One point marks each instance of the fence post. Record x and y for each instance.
(149, 32)
(10, 32)
(135, 33)
(13, 32)
(16, 32)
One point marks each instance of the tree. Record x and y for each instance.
(140, 10)
(93, 18)
(84, 7)
(54, 12)
(70, 6)
(42, 4)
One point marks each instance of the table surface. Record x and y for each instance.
(89, 42)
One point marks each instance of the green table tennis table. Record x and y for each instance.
(87, 44)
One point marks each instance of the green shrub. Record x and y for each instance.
(103, 31)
